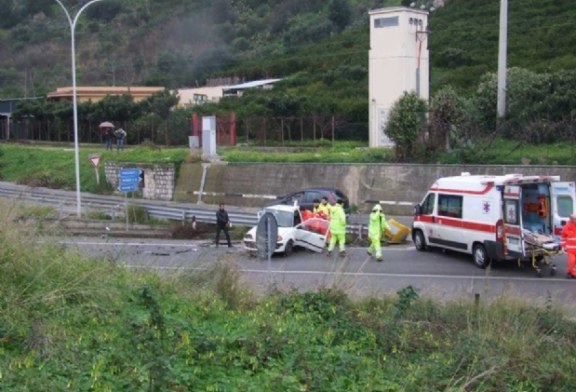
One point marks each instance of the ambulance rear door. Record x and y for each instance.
(513, 219)
(563, 202)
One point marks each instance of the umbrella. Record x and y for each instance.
(106, 124)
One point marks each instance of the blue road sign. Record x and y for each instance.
(130, 172)
(128, 187)
(129, 180)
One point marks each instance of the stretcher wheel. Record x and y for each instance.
(553, 270)
(539, 272)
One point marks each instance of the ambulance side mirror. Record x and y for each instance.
(417, 209)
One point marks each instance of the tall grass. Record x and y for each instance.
(68, 322)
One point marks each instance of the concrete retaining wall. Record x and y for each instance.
(398, 187)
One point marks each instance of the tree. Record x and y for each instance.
(545, 100)
(406, 121)
(160, 103)
(222, 11)
(339, 13)
(447, 117)
(117, 108)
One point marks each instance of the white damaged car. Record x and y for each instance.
(292, 231)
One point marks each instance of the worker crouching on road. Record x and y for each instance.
(569, 245)
(376, 228)
(337, 228)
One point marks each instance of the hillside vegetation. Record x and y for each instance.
(68, 322)
(464, 39)
(318, 48)
(178, 43)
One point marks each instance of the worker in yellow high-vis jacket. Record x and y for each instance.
(376, 227)
(337, 228)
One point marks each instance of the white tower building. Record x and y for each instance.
(398, 62)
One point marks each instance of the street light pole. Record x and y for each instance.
(72, 23)
(502, 60)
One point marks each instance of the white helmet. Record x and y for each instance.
(377, 208)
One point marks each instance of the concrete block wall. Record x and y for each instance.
(397, 187)
(159, 179)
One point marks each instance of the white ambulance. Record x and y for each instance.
(491, 217)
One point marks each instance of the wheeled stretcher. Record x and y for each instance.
(541, 248)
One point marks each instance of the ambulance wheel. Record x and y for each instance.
(289, 249)
(480, 255)
(419, 241)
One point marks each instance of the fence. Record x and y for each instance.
(175, 130)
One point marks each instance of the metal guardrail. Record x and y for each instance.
(114, 206)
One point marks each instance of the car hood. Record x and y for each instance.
(281, 231)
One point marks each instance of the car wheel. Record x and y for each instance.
(480, 256)
(289, 249)
(419, 241)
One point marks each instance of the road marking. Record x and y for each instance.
(359, 274)
(427, 276)
(312, 272)
(393, 248)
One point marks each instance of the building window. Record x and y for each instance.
(386, 22)
(199, 98)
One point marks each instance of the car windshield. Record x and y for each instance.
(284, 218)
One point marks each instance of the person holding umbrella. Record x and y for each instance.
(107, 126)
(108, 138)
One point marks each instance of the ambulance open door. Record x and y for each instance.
(513, 219)
(563, 202)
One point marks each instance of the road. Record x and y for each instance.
(436, 274)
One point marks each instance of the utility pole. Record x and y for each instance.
(502, 59)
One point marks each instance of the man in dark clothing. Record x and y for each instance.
(108, 139)
(222, 223)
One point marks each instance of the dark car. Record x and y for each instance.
(305, 198)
